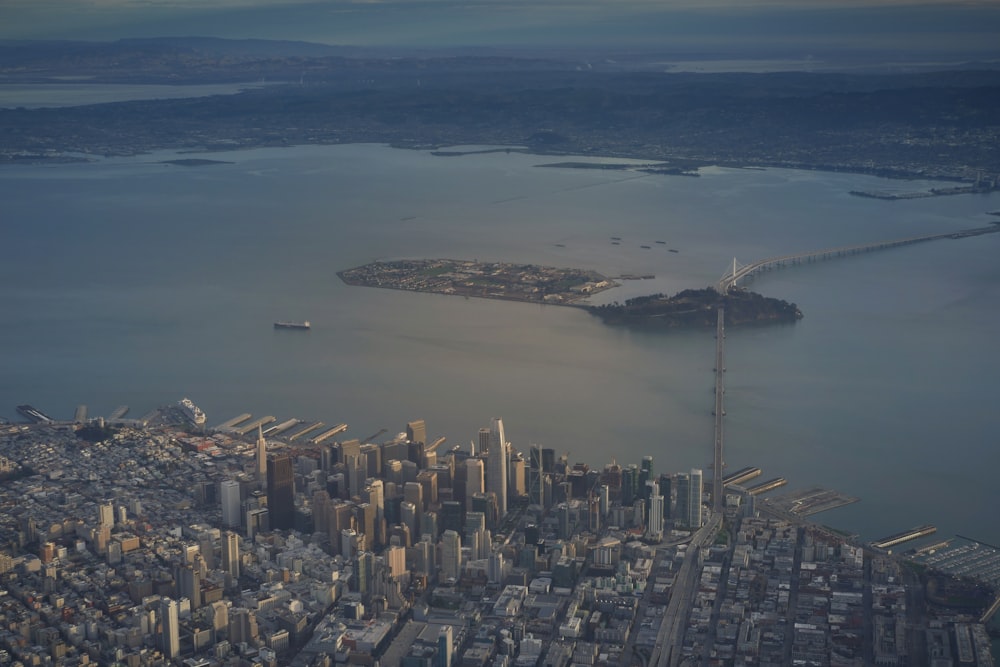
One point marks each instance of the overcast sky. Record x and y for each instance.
(800, 26)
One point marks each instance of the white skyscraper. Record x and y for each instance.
(474, 480)
(261, 459)
(496, 465)
(170, 628)
(451, 555)
(229, 492)
(654, 529)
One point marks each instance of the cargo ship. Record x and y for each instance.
(292, 325)
(191, 411)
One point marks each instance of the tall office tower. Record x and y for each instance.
(281, 493)
(357, 473)
(604, 493)
(258, 521)
(518, 484)
(494, 569)
(261, 459)
(444, 647)
(231, 554)
(242, 626)
(688, 511)
(395, 560)
(428, 481)
(189, 585)
(496, 464)
(350, 543)
(349, 448)
(373, 457)
(697, 484)
(230, 498)
(425, 551)
(413, 492)
(409, 517)
(321, 512)
(374, 495)
(429, 524)
(475, 534)
(645, 475)
(106, 514)
(451, 516)
(416, 431)
(364, 513)
(451, 555)
(654, 527)
(206, 548)
(475, 481)
(630, 484)
(394, 471)
(170, 631)
(365, 572)
(665, 484)
(548, 460)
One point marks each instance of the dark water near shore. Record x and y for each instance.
(132, 282)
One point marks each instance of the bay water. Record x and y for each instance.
(132, 281)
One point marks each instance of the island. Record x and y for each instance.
(490, 280)
(697, 307)
(568, 287)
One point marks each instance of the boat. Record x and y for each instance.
(292, 325)
(191, 411)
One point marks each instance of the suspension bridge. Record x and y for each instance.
(740, 272)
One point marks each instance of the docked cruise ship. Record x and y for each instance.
(191, 411)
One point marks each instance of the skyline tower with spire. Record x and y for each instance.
(496, 465)
(261, 459)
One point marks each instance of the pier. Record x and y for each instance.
(905, 536)
(118, 413)
(339, 428)
(811, 501)
(281, 428)
(34, 414)
(741, 475)
(231, 424)
(81, 414)
(252, 426)
(740, 272)
(769, 485)
(312, 427)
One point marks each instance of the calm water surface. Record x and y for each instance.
(133, 282)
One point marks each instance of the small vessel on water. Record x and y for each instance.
(191, 411)
(292, 325)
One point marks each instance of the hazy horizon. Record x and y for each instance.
(819, 29)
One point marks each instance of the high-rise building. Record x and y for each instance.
(451, 555)
(416, 431)
(231, 554)
(475, 481)
(654, 527)
(281, 493)
(357, 472)
(230, 498)
(261, 458)
(106, 514)
(444, 647)
(496, 464)
(170, 631)
(189, 585)
(689, 488)
(645, 475)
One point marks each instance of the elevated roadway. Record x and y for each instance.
(740, 272)
(720, 412)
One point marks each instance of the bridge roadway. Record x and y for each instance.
(738, 273)
(720, 411)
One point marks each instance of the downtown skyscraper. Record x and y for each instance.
(496, 464)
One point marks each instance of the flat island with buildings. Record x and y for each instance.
(490, 280)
